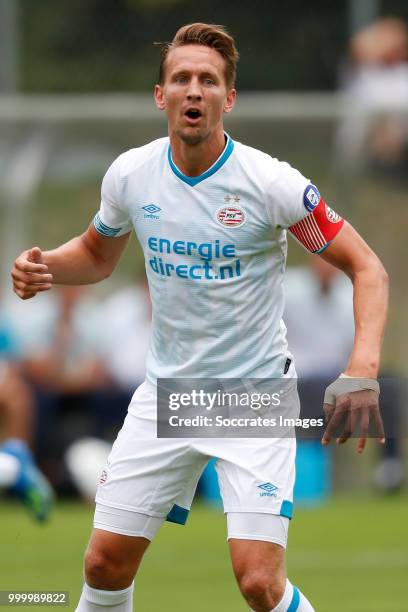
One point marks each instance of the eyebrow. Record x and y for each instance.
(187, 71)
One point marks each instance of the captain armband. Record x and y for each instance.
(316, 231)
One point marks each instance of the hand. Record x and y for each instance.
(354, 400)
(30, 275)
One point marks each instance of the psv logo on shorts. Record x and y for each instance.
(103, 478)
(231, 216)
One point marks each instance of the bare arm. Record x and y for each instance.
(83, 260)
(351, 254)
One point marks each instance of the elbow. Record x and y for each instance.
(106, 272)
(382, 274)
(103, 269)
(102, 266)
(373, 270)
(378, 276)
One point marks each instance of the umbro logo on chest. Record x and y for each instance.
(151, 211)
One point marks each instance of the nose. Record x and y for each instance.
(194, 91)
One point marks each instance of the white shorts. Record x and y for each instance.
(158, 477)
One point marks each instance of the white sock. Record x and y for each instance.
(95, 600)
(293, 600)
(9, 469)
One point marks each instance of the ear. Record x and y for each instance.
(230, 101)
(159, 97)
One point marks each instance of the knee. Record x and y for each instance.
(102, 572)
(97, 568)
(261, 590)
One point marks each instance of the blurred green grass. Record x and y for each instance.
(349, 555)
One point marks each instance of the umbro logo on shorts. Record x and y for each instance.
(268, 490)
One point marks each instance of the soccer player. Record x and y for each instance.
(212, 216)
(19, 474)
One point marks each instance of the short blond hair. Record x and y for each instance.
(207, 34)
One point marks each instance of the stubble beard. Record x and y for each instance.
(192, 139)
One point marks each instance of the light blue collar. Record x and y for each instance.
(194, 180)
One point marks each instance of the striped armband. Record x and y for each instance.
(316, 231)
(103, 229)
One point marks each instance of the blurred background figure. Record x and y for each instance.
(61, 344)
(374, 130)
(83, 356)
(19, 474)
(322, 338)
(126, 313)
(59, 339)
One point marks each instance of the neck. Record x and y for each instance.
(194, 159)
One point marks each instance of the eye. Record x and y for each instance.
(181, 78)
(208, 81)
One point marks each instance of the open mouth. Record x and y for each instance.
(193, 114)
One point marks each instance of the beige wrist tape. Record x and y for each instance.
(347, 384)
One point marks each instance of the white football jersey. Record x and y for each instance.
(215, 250)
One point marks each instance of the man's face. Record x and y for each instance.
(194, 93)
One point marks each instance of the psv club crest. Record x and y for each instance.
(232, 214)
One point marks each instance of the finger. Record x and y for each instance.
(23, 295)
(376, 417)
(28, 266)
(346, 432)
(35, 255)
(332, 426)
(32, 287)
(361, 444)
(328, 410)
(349, 428)
(340, 411)
(32, 277)
(365, 420)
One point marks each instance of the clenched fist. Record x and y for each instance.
(30, 275)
